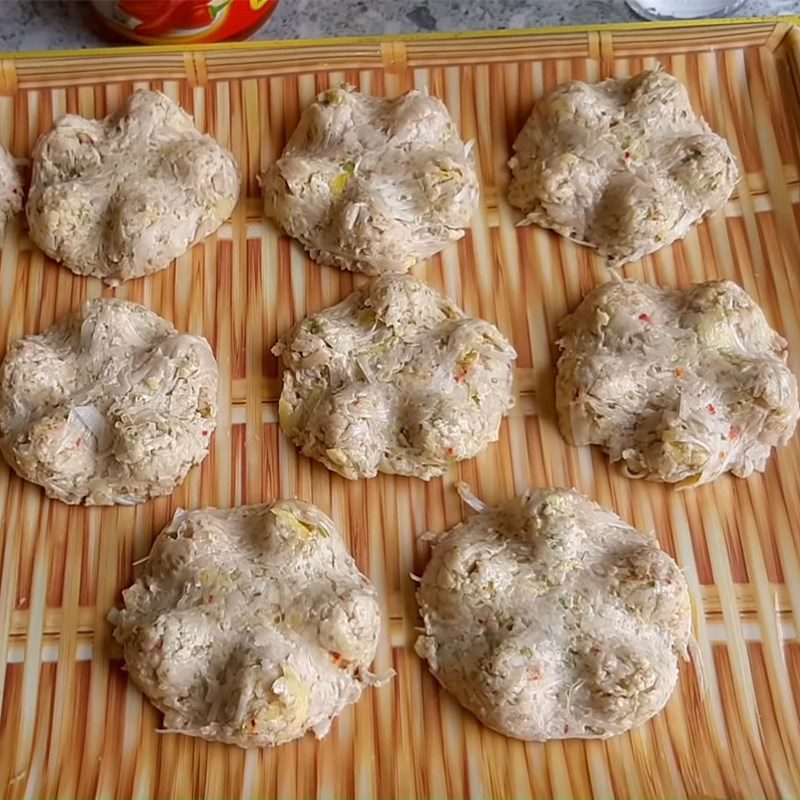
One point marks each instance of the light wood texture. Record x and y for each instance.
(71, 724)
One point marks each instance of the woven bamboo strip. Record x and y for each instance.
(71, 725)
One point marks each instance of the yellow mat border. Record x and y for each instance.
(275, 44)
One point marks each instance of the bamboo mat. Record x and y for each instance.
(71, 724)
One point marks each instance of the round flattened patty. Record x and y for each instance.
(625, 166)
(373, 185)
(250, 626)
(121, 197)
(395, 379)
(549, 617)
(10, 190)
(111, 405)
(679, 385)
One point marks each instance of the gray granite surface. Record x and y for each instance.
(55, 24)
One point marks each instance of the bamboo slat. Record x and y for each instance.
(70, 723)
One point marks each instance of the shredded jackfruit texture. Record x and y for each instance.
(549, 617)
(121, 197)
(10, 190)
(395, 379)
(625, 166)
(250, 626)
(110, 406)
(370, 184)
(678, 385)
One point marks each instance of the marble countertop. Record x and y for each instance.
(53, 25)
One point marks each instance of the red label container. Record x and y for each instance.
(182, 21)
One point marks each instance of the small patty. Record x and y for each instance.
(679, 385)
(10, 190)
(373, 185)
(625, 166)
(111, 405)
(121, 197)
(549, 617)
(250, 626)
(395, 379)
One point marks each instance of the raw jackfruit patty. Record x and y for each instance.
(550, 618)
(251, 625)
(678, 385)
(111, 405)
(370, 184)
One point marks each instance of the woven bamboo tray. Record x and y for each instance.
(72, 726)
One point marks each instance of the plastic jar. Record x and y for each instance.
(181, 21)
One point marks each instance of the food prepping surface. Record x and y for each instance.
(60, 24)
(73, 723)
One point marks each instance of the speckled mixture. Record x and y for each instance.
(395, 379)
(10, 190)
(678, 385)
(549, 617)
(250, 626)
(111, 405)
(625, 166)
(370, 184)
(123, 196)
